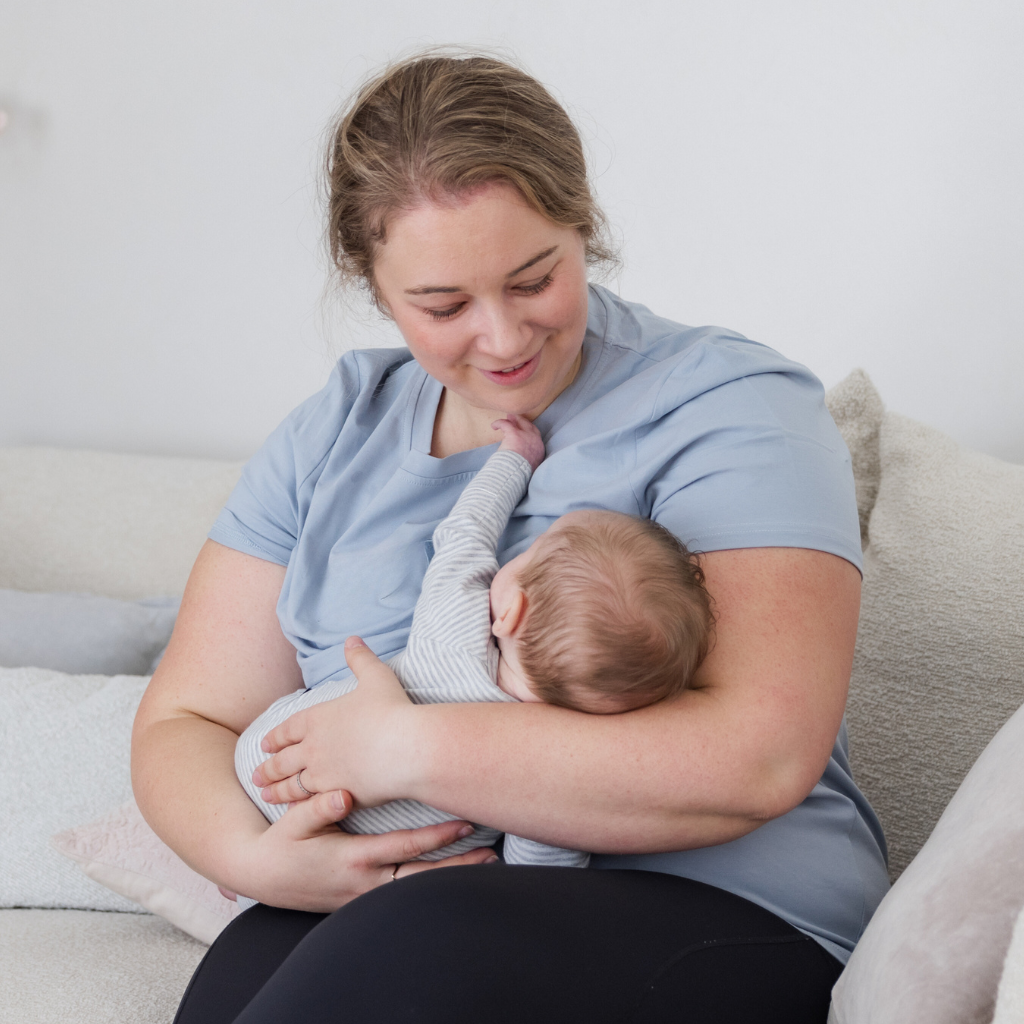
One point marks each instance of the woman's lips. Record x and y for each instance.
(514, 375)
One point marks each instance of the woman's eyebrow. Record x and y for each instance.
(430, 289)
(536, 259)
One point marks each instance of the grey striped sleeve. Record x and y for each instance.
(454, 607)
(450, 658)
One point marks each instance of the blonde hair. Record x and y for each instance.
(437, 126)
(616, 614)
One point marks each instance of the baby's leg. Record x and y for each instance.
(248, 754)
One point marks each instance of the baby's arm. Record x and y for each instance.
(453, 607)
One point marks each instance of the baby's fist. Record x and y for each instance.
(521, 436)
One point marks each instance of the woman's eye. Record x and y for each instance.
(534, 289)
(444, 314)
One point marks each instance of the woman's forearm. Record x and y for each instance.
(227, 661)
(746, 744)
(184, 781)
(635, 783)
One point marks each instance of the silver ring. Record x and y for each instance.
(395, 872)
(298, 782)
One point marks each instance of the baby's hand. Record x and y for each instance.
(520, 436)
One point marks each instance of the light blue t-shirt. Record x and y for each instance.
(720, 439)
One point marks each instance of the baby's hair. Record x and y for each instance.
(617, 615)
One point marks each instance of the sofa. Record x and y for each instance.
(100, 923)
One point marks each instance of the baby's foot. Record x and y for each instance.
(520, 436)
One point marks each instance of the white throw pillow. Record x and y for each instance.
(933, 952)
(64, 759)
(123, 853)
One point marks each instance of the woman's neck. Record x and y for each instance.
(459, 426)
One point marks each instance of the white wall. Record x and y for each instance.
(841, 181)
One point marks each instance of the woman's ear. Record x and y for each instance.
(510, 617)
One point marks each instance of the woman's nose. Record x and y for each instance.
(503, 337)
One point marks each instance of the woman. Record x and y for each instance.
(459, 196)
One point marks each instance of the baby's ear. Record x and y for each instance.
(508, 619)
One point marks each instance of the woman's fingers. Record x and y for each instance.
(287, 791)
(410, 843)
(291, 730)
(283, 765)
(483, 855)
(307, 862)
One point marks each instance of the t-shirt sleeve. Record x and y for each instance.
(264, 514)
(761, 464)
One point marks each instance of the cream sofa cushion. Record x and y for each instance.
(127, 526)
(79, 966)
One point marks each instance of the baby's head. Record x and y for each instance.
(603, 613)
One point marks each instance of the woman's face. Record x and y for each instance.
(490, 297)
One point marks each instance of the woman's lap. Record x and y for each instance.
(517, 944)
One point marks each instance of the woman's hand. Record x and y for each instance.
(348, 743)
(305, 862)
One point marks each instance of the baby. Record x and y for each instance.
(602, 613)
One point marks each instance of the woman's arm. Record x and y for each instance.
(227, 661)
(745, 744)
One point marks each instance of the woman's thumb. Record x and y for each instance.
(357, 654)
(312, 816)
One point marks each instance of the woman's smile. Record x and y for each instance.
(518, 374)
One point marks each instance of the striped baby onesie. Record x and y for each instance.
(451, 657)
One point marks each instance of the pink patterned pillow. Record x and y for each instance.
(123, 853)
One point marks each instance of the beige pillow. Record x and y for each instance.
(933, 952)
(856, 407)
(121, 852)
(939, 665)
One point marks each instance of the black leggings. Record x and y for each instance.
(516, 944)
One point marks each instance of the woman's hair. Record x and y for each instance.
(617, 615)
(437, 126)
